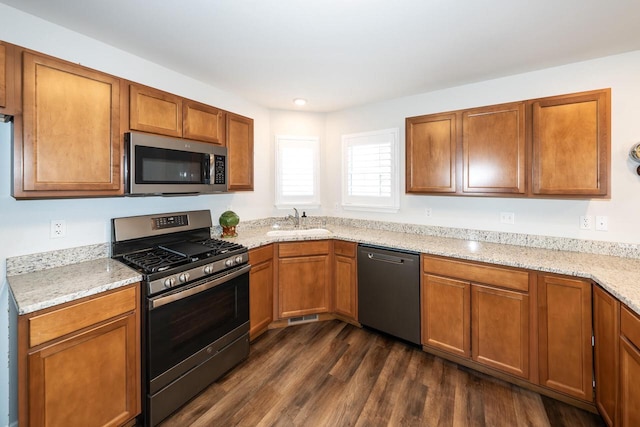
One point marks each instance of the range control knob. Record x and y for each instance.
(239, 259)
(208, 269)
(183, 277)
(169, 282)
(229, 262)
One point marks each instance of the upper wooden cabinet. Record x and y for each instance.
(10, 102)
(431, 153)
(152, 110)
(155, 111)
(565, 353)
(493, 149)
(240, 152)
(68, 141)
(550, 147)
(203, 122)
(571, 144)
(3, 75)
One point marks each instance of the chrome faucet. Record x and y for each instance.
(296, 218)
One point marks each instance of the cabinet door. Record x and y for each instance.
(303, 285)
(500, 329)
(629, 384)
(493, 149)
(240, 151)
(71, 137)
(565, 353)
(606, 329)
(571, 144)
(260, 290)
(3, 75)
(154, 111)
(446, 309)
(203, 122)
(431, 152)
(345, 279)
(88, 379)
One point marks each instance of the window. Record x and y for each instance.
(297, 168)
(370, 171)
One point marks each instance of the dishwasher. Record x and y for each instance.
(389, 291)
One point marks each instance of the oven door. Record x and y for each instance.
(192, 323)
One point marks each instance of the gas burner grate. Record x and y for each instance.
(220, 246)
(155, 260)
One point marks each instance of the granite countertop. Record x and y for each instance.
(47, 288)
(41, 289)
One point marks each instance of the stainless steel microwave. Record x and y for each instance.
(160, 165)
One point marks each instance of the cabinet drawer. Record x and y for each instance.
(320, 247)
(478, 273)
(630, 325)
(347, 249)
(259, 255)
(55, 324)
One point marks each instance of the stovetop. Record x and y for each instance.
(165, 257)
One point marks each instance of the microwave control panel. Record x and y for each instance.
(218, 169)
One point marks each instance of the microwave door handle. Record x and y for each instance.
(207, 169)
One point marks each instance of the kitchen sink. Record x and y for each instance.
(299, 232)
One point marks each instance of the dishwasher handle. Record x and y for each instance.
(385, 258)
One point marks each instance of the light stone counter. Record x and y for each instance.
(35, 290)
(47, 288)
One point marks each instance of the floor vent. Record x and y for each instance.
(303, 319)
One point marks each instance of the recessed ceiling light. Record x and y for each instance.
(300, 101)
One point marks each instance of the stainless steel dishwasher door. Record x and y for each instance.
(389, 291)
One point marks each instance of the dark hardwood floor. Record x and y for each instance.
(334, 374)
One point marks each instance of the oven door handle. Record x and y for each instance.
(197, 289)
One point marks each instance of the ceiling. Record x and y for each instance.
(343, 53)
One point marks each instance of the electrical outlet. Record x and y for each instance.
(602, 223)
(586, 222)
(427, 212)
(507, 217)
(58, 228)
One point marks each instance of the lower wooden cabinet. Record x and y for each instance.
(345, 291)
(304, 278)
(500, 329)
(260, 290)
(629, 369)
(79, 365)
(564, 333)
(606, 330)
(446, 314)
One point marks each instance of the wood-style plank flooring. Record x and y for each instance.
(334, 374)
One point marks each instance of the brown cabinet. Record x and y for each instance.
(446, 314)
(571, 144)
(3, 75)
(500, 329)
(260, 290)
(203, 122)
(487, 151)
(67, 142)
(629, 368)
(431, 153)
(9, 81)
(304, 278)
(478, 311)
(152, 110)
(79, 365)
(239, 140)
(493, 149)
(606, 330)
(345, 286)
(564, 331)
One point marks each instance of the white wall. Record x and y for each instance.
(542, 217)
(24, 225)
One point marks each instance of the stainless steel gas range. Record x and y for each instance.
(195, 325)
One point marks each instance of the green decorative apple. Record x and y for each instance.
(228, 221)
